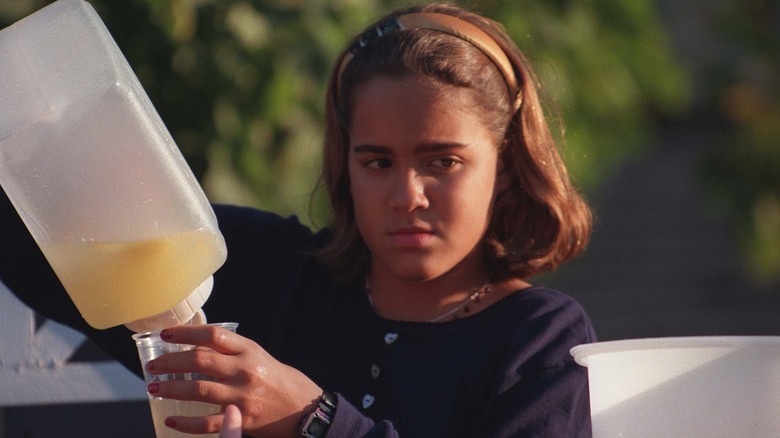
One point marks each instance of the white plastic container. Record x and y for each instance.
(97, 178)
(684, 387)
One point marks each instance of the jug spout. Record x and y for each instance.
(187, 311)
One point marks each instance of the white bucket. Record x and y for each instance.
(684, 387)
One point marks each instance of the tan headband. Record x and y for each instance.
(447, 24)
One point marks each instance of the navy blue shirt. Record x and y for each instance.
(505, 371)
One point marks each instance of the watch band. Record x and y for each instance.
(316, 424)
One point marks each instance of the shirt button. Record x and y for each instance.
(375, 371)
(368, 400)
(390, 338)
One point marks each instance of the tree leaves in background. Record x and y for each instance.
(743, 171)
(611, 68)
(240, 85)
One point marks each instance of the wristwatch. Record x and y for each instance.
(316, 424)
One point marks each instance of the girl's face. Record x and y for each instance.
(424, 172)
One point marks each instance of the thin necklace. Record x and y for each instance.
(455, 312)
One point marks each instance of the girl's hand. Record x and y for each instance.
(271, 396)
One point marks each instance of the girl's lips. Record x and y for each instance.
(409, 238)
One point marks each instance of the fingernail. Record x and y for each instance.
(170, 422)
(153, 388)
(166, 335)
(150, 365)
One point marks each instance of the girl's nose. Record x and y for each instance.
(409, 193)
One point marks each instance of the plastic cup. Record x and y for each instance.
(151, 346)
(712, 386)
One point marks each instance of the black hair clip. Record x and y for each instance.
(388, 26)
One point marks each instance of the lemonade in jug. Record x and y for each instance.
(97, 178)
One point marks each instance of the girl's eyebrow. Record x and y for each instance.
(425, 147)
(372, 149)
(437, 147)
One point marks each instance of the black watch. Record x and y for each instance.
(316, 424)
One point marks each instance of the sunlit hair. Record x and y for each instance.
(540, 222)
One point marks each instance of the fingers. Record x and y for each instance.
(202, 361)
(195, 425)
(213, 337)
(228, 423)
(195, 390)
(211, 356)
(231, 424)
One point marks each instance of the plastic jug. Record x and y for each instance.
(96, 177)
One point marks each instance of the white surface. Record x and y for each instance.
(34, 368)
(684, 387)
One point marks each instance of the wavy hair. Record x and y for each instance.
(540, 222)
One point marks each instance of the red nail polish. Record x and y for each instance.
(166, 335)
(153, 387)
(170, 422)
(150, 366)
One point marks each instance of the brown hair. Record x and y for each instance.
(537, 224)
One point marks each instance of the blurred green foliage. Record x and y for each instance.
(743, 171)
(241, 83)
(610, 67)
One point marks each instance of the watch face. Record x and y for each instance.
(317, 428)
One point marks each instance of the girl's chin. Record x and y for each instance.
(413, 272)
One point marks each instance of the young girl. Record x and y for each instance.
(412, 314)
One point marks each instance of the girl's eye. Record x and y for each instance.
(444, 162)
(378, 163)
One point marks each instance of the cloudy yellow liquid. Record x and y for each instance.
(164, 408)
(113, 283)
